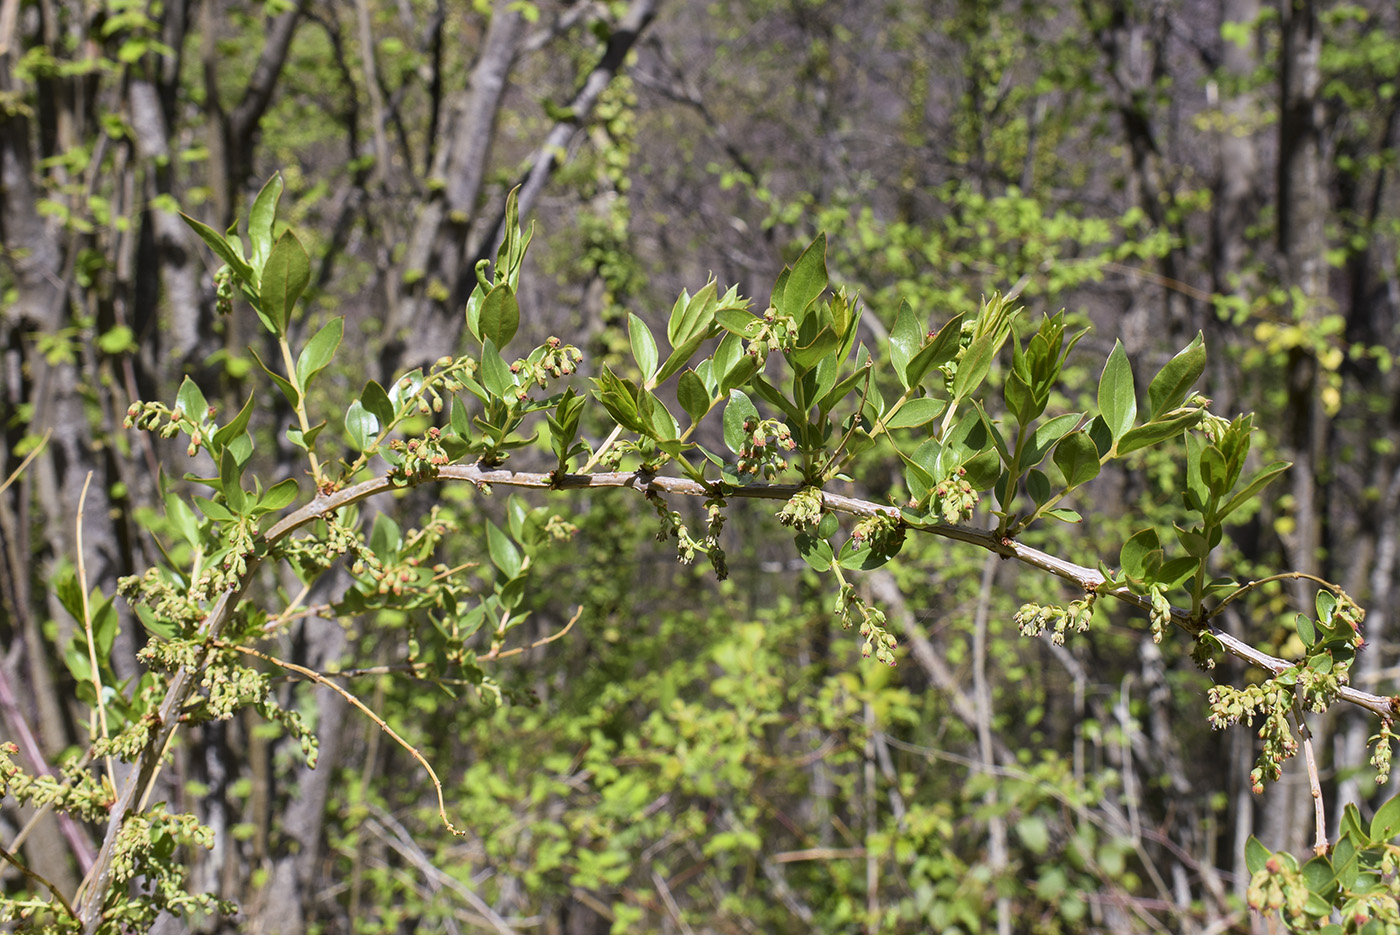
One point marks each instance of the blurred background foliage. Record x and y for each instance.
(697, 756)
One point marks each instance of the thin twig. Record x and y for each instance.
(41, 880)
(496, 654)
(670, 901)
(320, 679)
(87, 630)
(402, 842)
(14, 475)
(1314, 783)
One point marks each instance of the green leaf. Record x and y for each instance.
(1021, 400)
(284, 278)
(1169, 387)
(1257, 482)
(495, 373)
(1117, 394)
(807, 280)
(619, 397)
(1077, 458)
(230, 474)
(815, 551)
(499, 316)
(680, 356)
(692, 395)
(743, 370)
(1386, 823)
(1154, 433)
(736, 411)
(773, 395)
(692, 317)
(261, 218)
(318, 352)
(738, 322)
(977, 360)
(906, 338)
(917, 412)
(278, 496)
(1326, 604)
(1046, 434)
(1344, 860)
(1037, 486)
(1215, 473)
(1064, 515)
(847, 383)
(866, 557)
(1306, 631)
(982, 470)
(190, 400)
(377, 402)
(805, 356)
(657, 417)
(943, 348)
(360, 425)
(288, 390)
(215, 511)
(223, 249)
(235, 428)
(504, 555)
(182, 518)
(643, 346)
(305, 440)
(1136, 556)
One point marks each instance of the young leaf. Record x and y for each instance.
(1257, 482)
(229, 475)
(504, 554)
(284, 278)
(1169, 387)
(906, 337)
(654, 413)
(1141, 555)
(972, 369)
(680, 356)
(692, 317)
(736, 411)
(1153, 433)
(943, 348)
(865, 557)
(643, 346)
(692, 395)
(278, 496)
(235, 428)
(1306, 631)
(806, 281)
(376, 401)
(261, 218)
(499, 316)
(223, 249)
(917, 412)
(495, 374)
(288, 390)
(619, 398)
(1077, 459)
(1386, 823)
(810, 353)
(1117, 394)
(318, 352)
(815, 551)
(190, 400)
